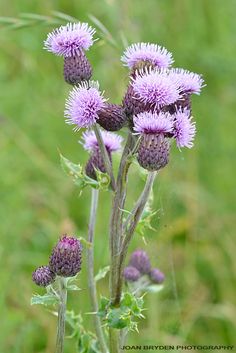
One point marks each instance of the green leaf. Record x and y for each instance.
(79, 177)
(71, 284)
(46, 299)
(102, 273)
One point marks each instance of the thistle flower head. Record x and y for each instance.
(147, 52)
(68, 40)
(189, 82)
(131, 274)
(111, 141)
(156, 276)
(43, 276)
(66, 257)
(153, 123)
(140, 260)
(83, 104)
(112, 117)
(156, 88)
(184, 129)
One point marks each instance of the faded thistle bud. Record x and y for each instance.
(66, 257)
(43, 276)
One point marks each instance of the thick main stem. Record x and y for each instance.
(90, 262)
(105, 156)
(61, 315)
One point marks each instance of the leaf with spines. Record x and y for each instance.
(46, 299)
(102, 273)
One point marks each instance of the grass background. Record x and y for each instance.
(195, 195)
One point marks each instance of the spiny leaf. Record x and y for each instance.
(102, 273)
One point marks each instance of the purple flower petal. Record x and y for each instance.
(184, 129)
(147, 52)
(68, 40)
(112, 141)
(83, 104)
(153, 123)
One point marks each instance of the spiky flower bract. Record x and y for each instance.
(131, 274)
(189, 82)
(184, 129)
(66, 257)
(156, 276)
(43, 276)
(156, 88)
(83, 104)
(112, 117)
(151, 123)
(68, 40)
(111, 141)
(147, 53)
(140, 260)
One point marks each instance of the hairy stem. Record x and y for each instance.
(61, 316)
(105, 156)
(90, 263)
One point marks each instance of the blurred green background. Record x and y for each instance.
(195, 195)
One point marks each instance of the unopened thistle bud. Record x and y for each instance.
(112, 143)
(77, 68)
(156, 276)
(112, 117)
(66, 257)
(71, 41)
(140, 260)
(43, 276)
(131, 274)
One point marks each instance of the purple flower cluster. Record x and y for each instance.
(156, 106)
(65, 261)
(139, 265)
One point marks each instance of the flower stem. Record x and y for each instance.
(90, 262)
(61, 315)
(105, 156)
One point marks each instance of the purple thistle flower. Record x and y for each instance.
(184, 129)
(189, 82)
(66, 257)
(147, 52)
(43, 276)
(111, 141)
(68, 40)
(156, 276)
(83, 104)
(156, 88)
(153, 123)
(131, 274)
(140, 260)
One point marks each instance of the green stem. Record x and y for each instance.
(105, 156)
(90, 262)
(61, 315)
(134, 219)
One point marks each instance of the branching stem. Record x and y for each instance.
(61, 315)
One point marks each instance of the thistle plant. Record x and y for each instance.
(155, 112)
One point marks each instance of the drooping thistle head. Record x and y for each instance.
(131, 274)
(83, 105)
(112, 143)
(43, 276)
(70, 41)
(66, 257)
